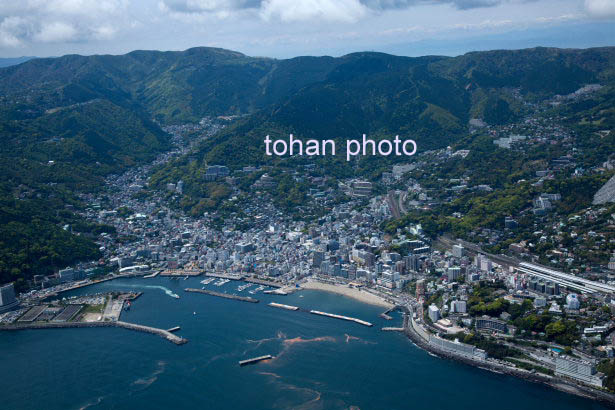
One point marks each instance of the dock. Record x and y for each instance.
(350, 319)
(255, 360)
(222, 295)
(281, 306)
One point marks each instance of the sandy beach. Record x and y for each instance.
(354, 293)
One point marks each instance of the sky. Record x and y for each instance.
(289, 28)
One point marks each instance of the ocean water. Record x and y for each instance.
(320, 363)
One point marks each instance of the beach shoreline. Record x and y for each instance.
(354, 293)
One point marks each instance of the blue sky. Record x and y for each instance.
(287, 28)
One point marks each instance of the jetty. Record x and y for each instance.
(281, 306)
(222, 295)
(125, 325)
(350, 319)
(255, 360)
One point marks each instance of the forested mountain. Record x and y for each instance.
(67, 122)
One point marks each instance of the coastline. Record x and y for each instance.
(354, 293)
(557, 384)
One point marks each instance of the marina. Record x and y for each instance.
(207, 281)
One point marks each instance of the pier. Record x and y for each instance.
(130, 326)
(222, 295)
(281, 306)
(152, 275)
(255, 360)
(351, 319)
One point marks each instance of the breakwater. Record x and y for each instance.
(255, 360)
(125, 325)
(281, 306)
(222, 295)
(350, 319)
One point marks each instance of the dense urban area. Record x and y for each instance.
(498, 249)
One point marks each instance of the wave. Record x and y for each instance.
(92, 404)
(167, 291)
(358, 339)
(147, 381)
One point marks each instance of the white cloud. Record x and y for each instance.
(603, 9)
(10, 28)
(59, 21)
(56, 31)
(307, 10)
(301, 10)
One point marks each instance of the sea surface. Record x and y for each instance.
(320, 362)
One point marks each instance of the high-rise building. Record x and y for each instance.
(453, 273)
(420, 288)
(412, 263)
(458, 251)
(434, 313)
(459, 306)
(7, 298)
(317, 258)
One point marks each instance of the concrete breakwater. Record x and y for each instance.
(255, 360)
(281, 306)
(130, 326)
(351, 319)
(222, 295)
